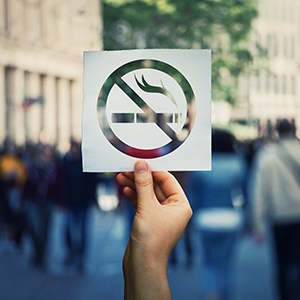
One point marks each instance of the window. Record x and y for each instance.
(269, 44)
(285, 46)
(6, 18)
(276, 84)
(292, 50)
(284, 88)
(275, 45)
(267, 82)
(293, 85)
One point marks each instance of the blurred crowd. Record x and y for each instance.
(254, 189)
(252, 183)
(35, 179)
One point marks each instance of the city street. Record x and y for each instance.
(103, 280)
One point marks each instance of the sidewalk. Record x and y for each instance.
(18, 281)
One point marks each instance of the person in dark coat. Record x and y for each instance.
(78, 193)
(12, 178)
(39, 194)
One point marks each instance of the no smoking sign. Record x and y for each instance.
(146, 104)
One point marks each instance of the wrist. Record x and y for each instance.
(145, 274)
(143, 257)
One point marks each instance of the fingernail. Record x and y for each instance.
(140, 167)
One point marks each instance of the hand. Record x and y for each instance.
(162, 213)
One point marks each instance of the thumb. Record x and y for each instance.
(143, 181)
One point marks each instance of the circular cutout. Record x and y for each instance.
(143, 108)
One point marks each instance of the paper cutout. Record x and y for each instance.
(146, 104)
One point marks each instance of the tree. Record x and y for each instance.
(221, 25)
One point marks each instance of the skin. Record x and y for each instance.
(162, 213)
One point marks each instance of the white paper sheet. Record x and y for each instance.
(147, 104)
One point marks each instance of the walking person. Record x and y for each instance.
(216, 198)
(182, 178)
(276, 198)
(12, 178)
(78, 192)
(39, 194)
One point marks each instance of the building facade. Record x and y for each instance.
(271, 90)
(41, 51)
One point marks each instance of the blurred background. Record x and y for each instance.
(52, 246)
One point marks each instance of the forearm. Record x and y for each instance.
(145, 275)
(162, 213)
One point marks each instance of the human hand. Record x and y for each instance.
(162, 213)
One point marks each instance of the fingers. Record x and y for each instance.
(159, 193)
(138, 185)
(131, 195)
(167, 183)
(143, 182)
(126, 179)
(128, 187)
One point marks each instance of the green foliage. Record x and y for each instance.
(220, 25)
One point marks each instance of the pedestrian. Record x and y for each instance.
(217, 198)
(182, 178)
(12, 178)
(39, 195)
(276, 198)
(78, 192)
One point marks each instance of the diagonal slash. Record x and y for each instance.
(141, 103)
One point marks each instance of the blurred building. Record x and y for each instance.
(274, 90)
(41, 47)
